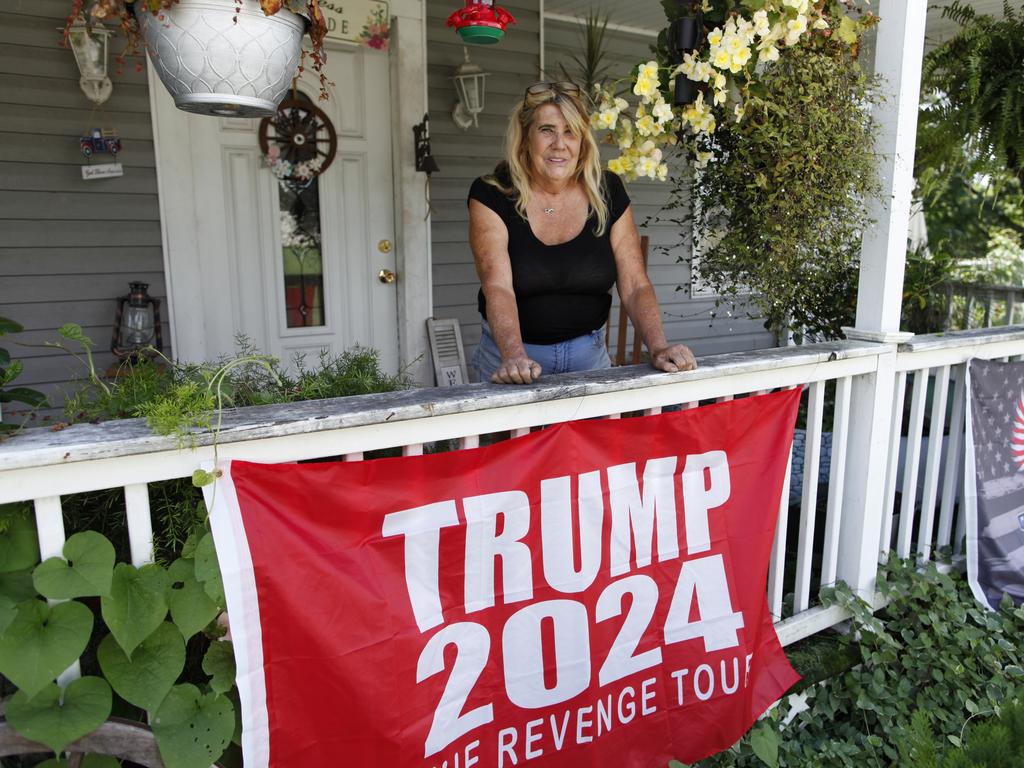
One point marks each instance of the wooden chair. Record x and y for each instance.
(619, 355)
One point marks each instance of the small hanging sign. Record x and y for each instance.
(100, 141)
(102, 171)
(366, 22)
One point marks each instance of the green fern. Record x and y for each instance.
(972, 118)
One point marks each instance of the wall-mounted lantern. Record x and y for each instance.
(89, 44)
(469, 84)
(136, 323)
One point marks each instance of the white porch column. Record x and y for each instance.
(898, 55)
(412, 226)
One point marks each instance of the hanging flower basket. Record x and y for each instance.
(232, 58)
(215, 59)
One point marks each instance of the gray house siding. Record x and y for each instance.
(68, 247)
(463, 155)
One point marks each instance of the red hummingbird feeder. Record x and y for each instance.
(480, 22)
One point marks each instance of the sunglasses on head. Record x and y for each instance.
(565, 87)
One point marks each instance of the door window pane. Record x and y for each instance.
(303, 262)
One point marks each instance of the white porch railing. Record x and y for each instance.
(42, 466)
(931, 467)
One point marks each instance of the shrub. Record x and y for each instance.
(933, 649)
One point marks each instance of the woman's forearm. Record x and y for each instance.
(503, 317)
(642, 307)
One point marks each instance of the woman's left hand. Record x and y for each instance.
(673, 358)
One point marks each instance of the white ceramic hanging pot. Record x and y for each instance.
(217, 59)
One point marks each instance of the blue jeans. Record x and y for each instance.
(583, 353)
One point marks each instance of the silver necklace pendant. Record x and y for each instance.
(549, 211)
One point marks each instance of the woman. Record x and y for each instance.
(551, 234)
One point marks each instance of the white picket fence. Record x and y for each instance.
(44, 466)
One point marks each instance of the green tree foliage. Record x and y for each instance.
(968, 161)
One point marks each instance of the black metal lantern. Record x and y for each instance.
(136, 323)
(684, 36)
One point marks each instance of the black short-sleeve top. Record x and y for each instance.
(562, 291)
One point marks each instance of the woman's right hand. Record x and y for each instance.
(517, 370)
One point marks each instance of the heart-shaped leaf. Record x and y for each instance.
(17, 586)
(136, 604)
(86, 572)
(188, 549)
(201, 478)
(764, 740)
(7, 612)
(42, 642)
(219, 663)
(9, 326)
(145, 678)
(55, 723)
(192, 729)
(208, 569)
(24, 395)
(19, 545)
(191, 608)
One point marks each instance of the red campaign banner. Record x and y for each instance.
(592, 594)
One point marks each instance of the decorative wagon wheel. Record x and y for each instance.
(301, 133)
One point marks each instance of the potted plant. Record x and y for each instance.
(233, 58)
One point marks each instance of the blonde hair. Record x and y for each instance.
(517, 160)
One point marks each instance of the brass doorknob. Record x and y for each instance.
(386, 276)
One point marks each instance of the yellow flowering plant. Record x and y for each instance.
(739, 43)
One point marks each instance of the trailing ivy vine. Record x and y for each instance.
(923, 667)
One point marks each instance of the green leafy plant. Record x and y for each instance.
(993, 742)
(973, 118)
(9, 371)
(925, 277)
(781, 211)
(587, 64)
(933, 649)
(147, 636)
(135, 630)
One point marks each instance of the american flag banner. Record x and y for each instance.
(994, 481)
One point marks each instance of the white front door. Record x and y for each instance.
(236, 263)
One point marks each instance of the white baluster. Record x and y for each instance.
(140, 523)
(931, 469)
(812, 454)
(836, 481)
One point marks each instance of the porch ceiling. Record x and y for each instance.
(648, 14)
